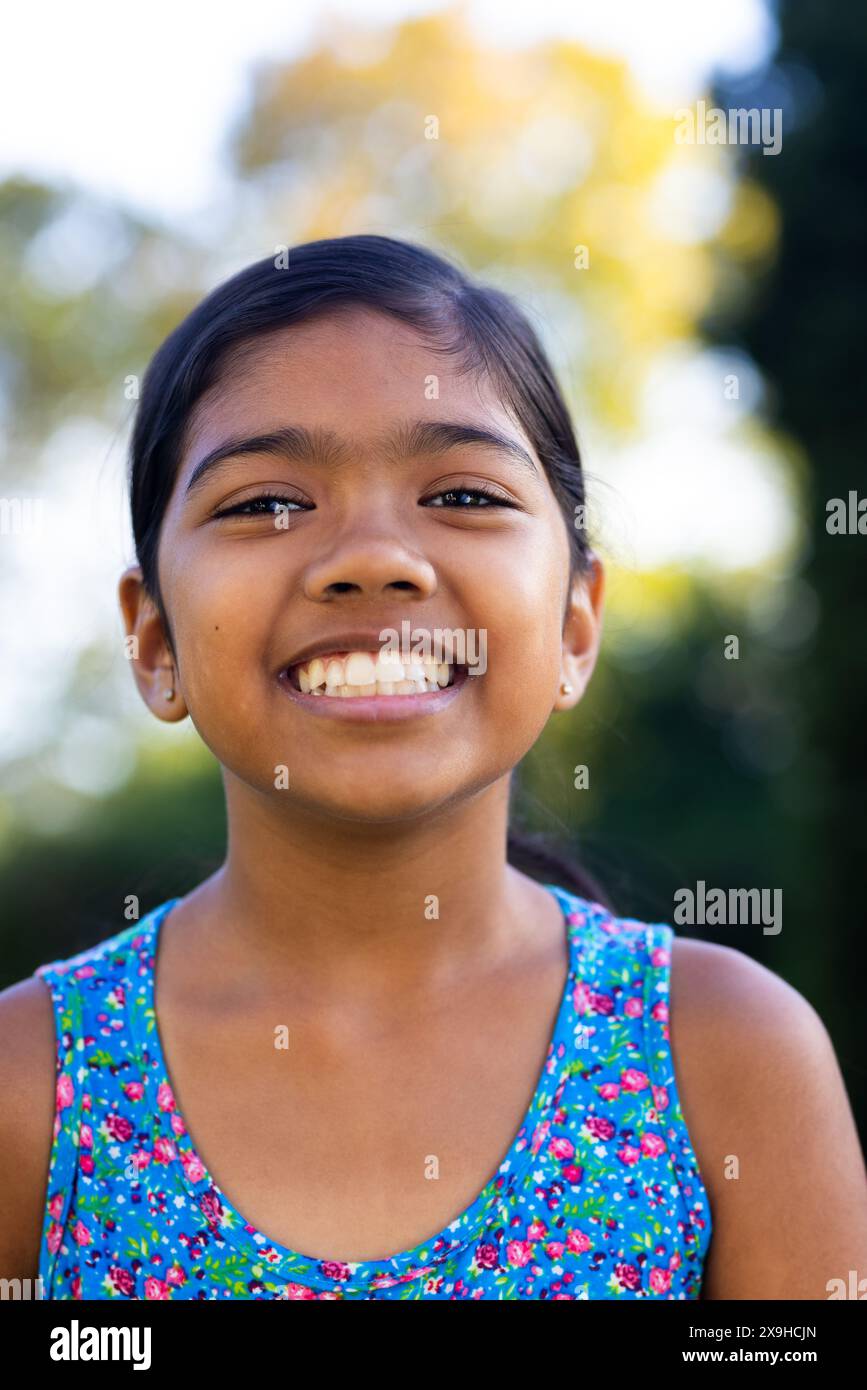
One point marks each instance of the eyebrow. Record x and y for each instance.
(303, 445)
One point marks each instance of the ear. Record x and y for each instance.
(582, 630)
(146, 647)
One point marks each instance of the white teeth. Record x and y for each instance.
(360, 669)
(388, 670)
(360, 673)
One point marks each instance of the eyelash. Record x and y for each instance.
(493, 498)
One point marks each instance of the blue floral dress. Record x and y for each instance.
(598, 1197)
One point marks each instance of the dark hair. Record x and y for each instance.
(478, 325)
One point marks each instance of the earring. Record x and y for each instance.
(565, 688)
(170, 693)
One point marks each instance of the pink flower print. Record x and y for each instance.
(660, 956)
(85, 1137)
(269, 1255)
(582, 997)
(65, 1091)
(487, 1256)
(660, 1097)
(628, 1276)
(652, 1145)
(176, 1276)
(519, 1252)
(86, 1102)
(55, 1206)
(81, 1235)
(602, 1003)
(84, 972)
(660, 1280)
(599, 1127)
(633, 1080)
(578, 1242)
(122, 1280)
(211, 1207)
(634, 1008)
(660, 1011)
(434, 1285)
(86, 1164)
(193, 1167)
(177, 1124)
(675, 1262)
(561, 1148)
(554, 1249)
(609, 1090)
(76, 1287)
(164, 1151)
(628, 1154)
(55, 1236)
(118, 1126)
(536, 1230)
(165, 1099)
(133, 1090)
(298, 1291)
(572, 1173)
(141, 1158)
(540, 1134)
(156, 1289)
(334, 1269)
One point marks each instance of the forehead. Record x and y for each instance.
(352, 367)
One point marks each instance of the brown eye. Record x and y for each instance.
(262, 506)
(460, 498)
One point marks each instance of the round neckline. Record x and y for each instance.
(319, 1271)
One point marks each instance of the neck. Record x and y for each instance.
(327, 901)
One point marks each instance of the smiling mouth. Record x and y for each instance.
(361, 674)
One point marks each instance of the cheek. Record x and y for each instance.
(223, 615)
(524, 642)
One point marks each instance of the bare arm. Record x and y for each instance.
(27, 1089)
(765, 1104)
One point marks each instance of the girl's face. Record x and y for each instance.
(373, 529)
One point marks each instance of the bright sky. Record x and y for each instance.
(133, 103)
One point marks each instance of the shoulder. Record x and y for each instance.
(27, 1084)
(766, 1107)
(41, 1018)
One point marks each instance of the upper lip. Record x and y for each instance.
(359, 640)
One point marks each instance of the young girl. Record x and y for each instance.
(369, 1057)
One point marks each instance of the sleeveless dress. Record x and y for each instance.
(598, 1197)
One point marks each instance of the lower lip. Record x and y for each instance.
(378, 709)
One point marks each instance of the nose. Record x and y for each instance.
(370, 566)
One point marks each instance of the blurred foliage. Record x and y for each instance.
(739, 773)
